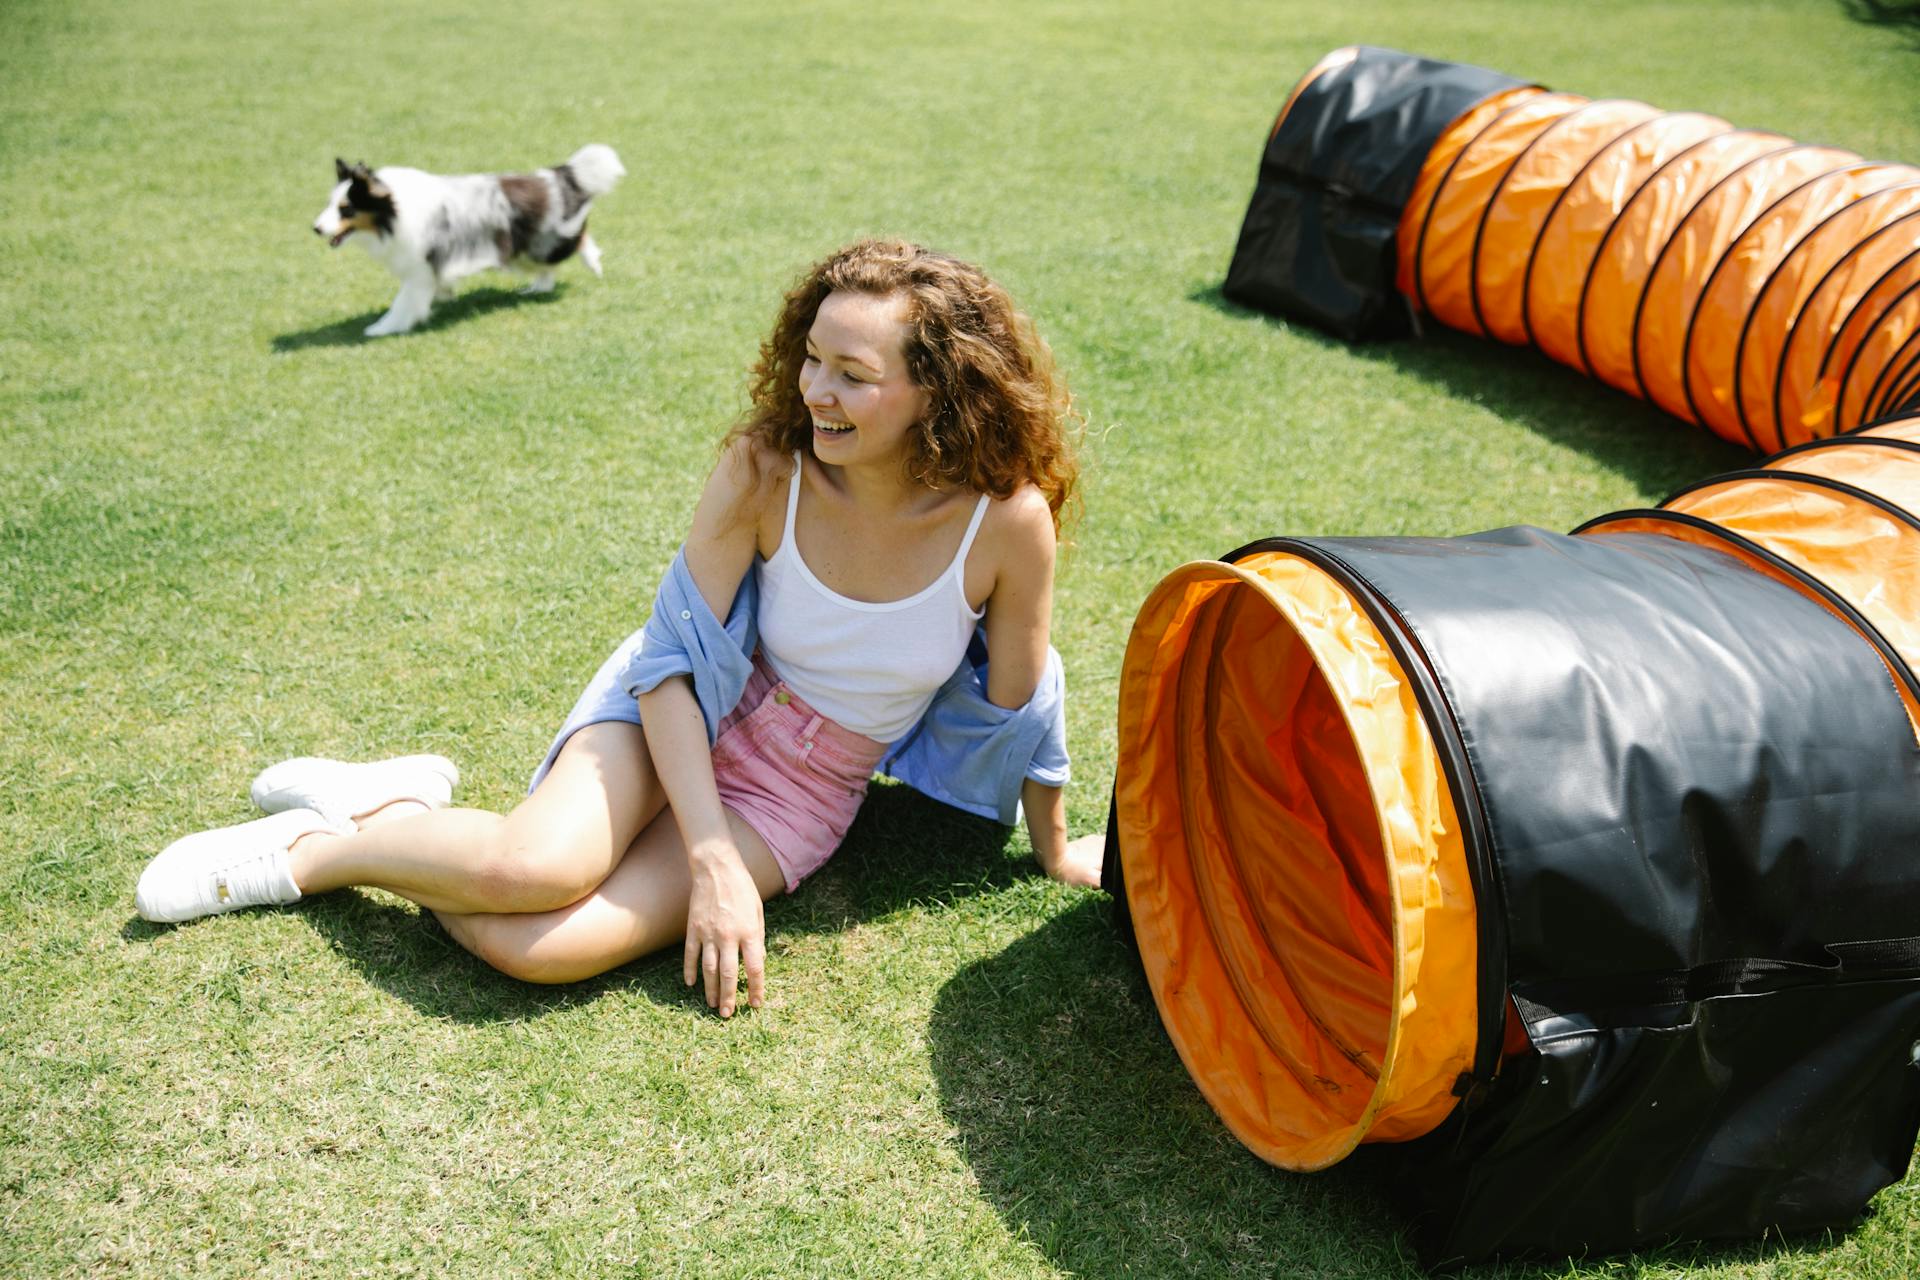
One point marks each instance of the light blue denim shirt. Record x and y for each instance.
(966, 751)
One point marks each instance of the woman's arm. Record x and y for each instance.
(726, 929)
(1068, 861)
(1019, 617)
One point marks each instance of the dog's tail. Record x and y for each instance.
(596, 168)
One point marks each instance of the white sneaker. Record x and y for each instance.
(227, 868)
(343, 792)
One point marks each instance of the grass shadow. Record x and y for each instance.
(467, 306)
(904, 850)
(1903, 15)
(1090, 1140)
(1629, 437)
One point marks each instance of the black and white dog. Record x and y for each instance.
(431, 230)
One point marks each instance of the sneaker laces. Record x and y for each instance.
(256, 881)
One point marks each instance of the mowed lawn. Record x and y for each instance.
(232, 531)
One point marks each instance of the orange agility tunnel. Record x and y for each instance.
(1583, 867)
(1764, 288)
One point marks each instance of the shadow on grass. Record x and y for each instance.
(1629, 437)
(459, 310)
(1089, 1139)
(903, 851)
(1900, 14)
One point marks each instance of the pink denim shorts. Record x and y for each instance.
(790, 773)
(794, 776)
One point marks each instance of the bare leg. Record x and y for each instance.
(554, 847)
(639, 909)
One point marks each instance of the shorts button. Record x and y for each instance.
(808, 744)
(686, 615)
(783, 697)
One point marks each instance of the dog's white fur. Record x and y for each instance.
(442, 228)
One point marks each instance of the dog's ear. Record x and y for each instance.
(363, 186)
(340, 170)
(363, 181)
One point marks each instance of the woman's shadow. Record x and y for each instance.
(903, 850)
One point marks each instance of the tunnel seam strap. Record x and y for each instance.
(1726, 254)
(1872, 328)
(1773, 278)
(1875, 960)
(1486, 210)
(1606, 238)
(1884, 391)
(1533, 254)
(1660, 258)
(1793, 330)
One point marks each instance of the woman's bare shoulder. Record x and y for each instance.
(1021, 521)
(1014, 551)
(742, 486)
(751, 471)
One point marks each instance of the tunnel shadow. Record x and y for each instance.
(1632, 438)
(903, 851)
(1089, 1139)
(456, 311)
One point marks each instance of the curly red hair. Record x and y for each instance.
(999, 415)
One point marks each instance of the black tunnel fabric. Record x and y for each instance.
(1698, 834)
(1710, 1126)
(1684, 785)
(1625, 720)
(1317, 243)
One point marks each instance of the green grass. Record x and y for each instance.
(230, 532)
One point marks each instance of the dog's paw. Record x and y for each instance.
(385, 328)
(539, 284)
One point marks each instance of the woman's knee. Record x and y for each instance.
(527, 867)
(534, 878)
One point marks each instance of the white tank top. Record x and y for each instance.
(872, 668)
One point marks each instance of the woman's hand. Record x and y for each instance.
(1075, 862)
(1080, 862)
(726, 929)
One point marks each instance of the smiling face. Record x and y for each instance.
(854, 380)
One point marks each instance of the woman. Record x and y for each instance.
(896, 486)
